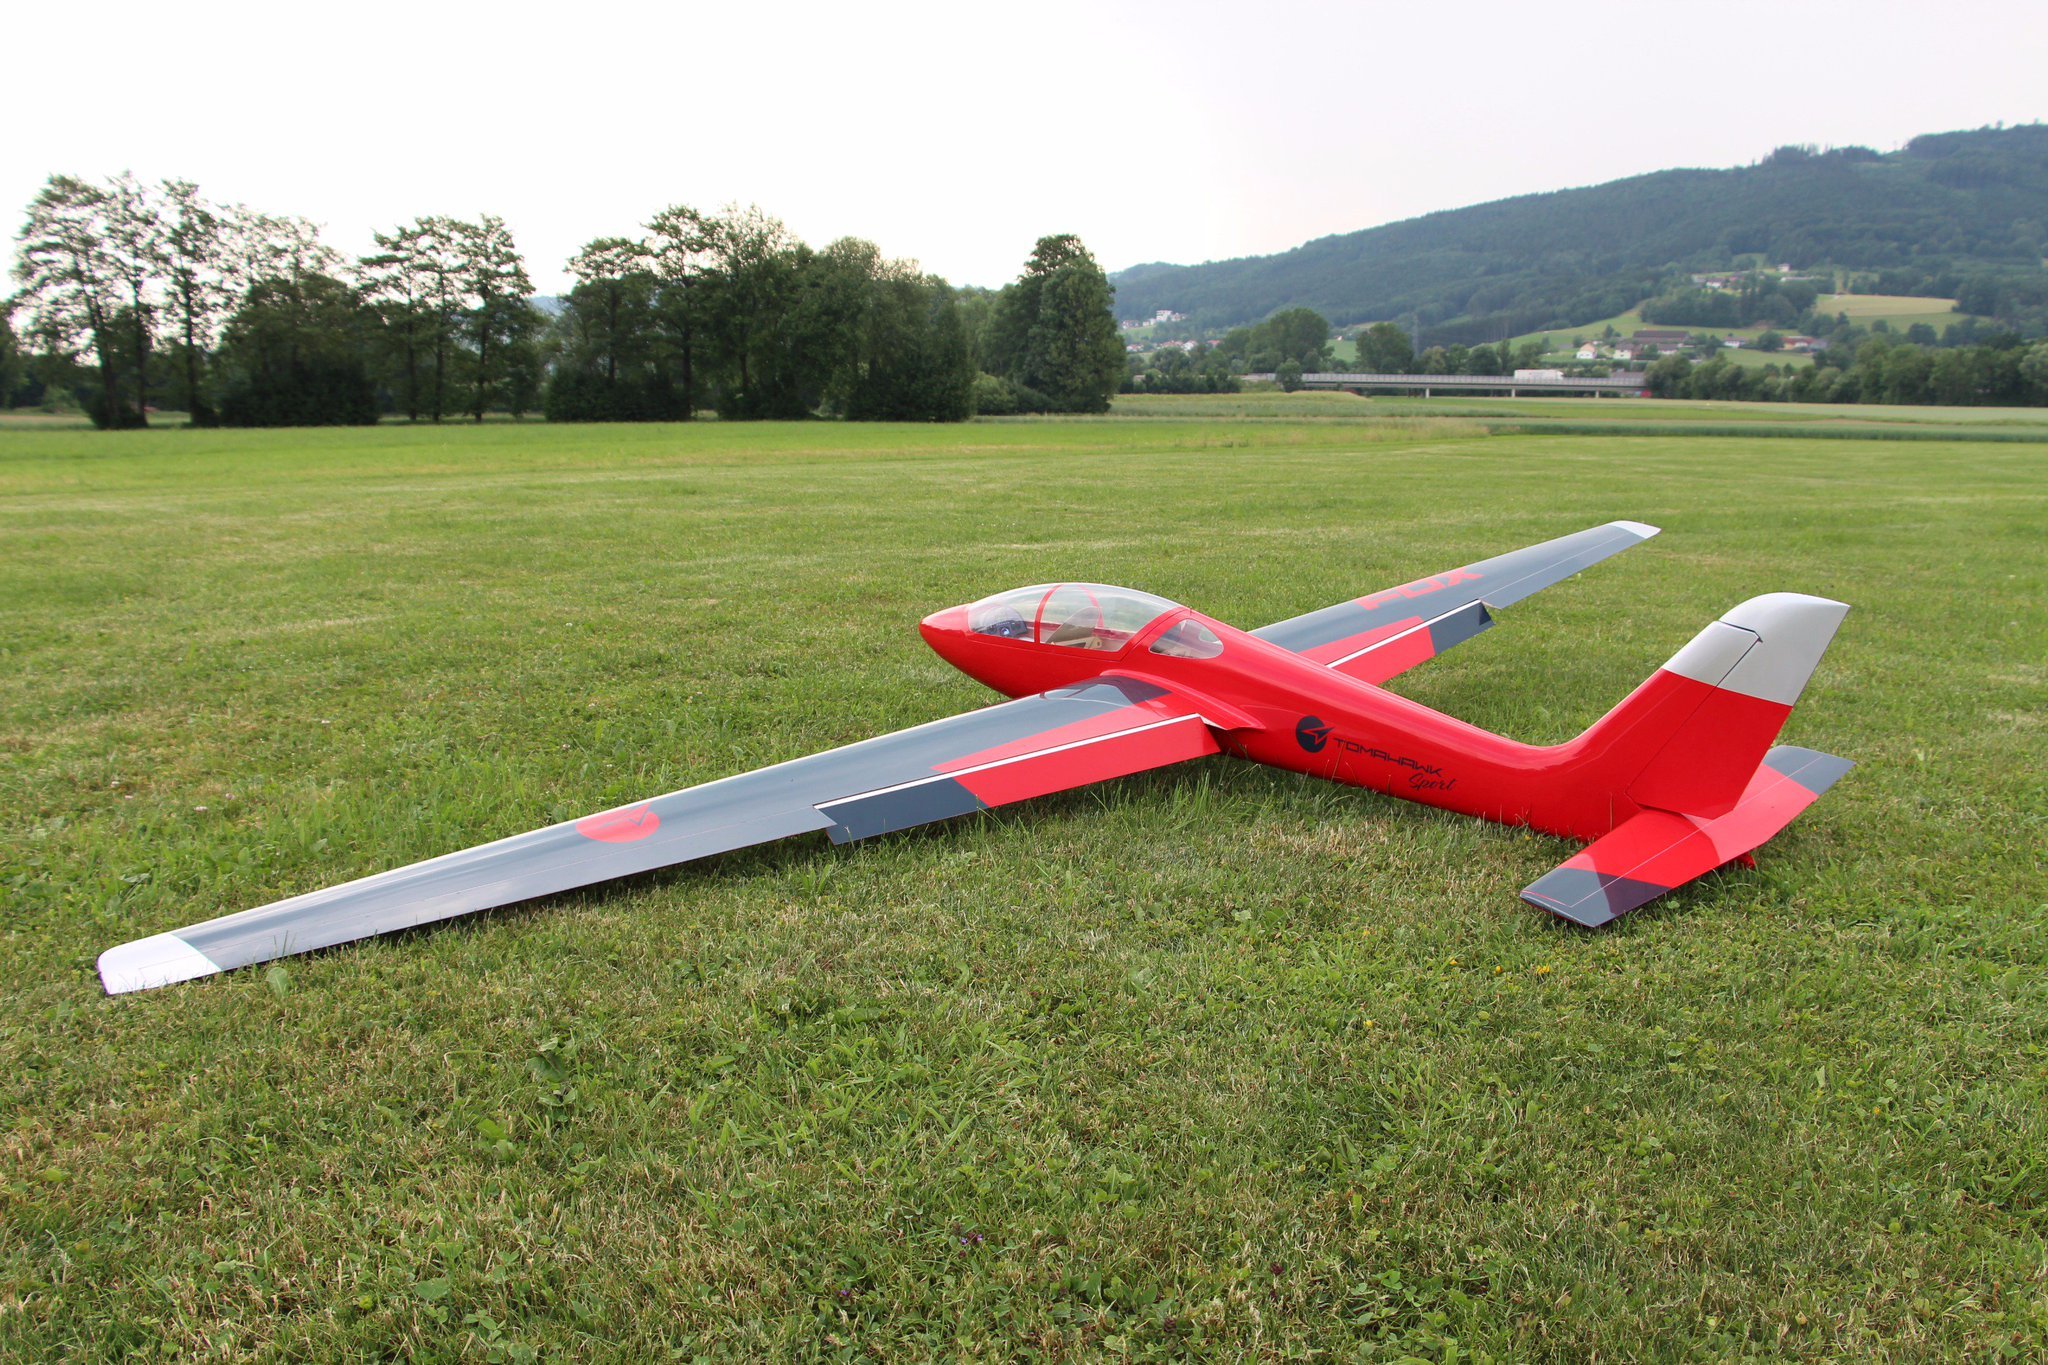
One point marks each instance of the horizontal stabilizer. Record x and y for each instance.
(1657, 850)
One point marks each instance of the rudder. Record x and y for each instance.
(1690, 738)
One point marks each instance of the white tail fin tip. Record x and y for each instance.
(1766, 647)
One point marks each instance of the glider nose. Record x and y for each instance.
(943, 630)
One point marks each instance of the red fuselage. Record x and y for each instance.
(1275, 707)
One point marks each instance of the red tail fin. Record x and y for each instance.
(1690, 738)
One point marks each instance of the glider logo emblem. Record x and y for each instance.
(1312, 734)
(620, 826)
(1421, 587)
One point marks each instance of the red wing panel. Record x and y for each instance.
(1149, 734)
(1657, 850)
(1395, 648)
(1091, 760)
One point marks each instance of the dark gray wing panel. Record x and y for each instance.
(1498, 582)
(717, 817)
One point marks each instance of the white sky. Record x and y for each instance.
(957, 134)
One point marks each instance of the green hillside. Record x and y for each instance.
(1949, 213)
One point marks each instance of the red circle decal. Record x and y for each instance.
(620, 826)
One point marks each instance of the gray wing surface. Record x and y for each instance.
(1034, 745)
(1338, 634)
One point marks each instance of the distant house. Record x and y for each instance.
(1663, 340)
(1630, 350)
(1589, 351)
(1732, 343)
(1801, 344)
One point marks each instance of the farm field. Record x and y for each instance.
(1899, 310)
(1210, 1063)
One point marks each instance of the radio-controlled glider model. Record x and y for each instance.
(1676, 781)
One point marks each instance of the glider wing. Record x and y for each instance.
(1374, 638)
(1032, 746)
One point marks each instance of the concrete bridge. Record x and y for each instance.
(1429, 385)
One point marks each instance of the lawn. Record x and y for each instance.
(1211, 1063)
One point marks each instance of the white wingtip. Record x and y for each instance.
(147, 963)
(1642, 530)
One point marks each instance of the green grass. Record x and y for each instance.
(1381, 419)
(1899, 310)
(1215, 1063)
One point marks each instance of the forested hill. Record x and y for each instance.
(1945, 205)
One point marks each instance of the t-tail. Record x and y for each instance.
(1693, 750)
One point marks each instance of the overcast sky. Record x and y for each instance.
(957, 134)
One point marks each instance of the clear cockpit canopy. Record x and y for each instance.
(1083, 615)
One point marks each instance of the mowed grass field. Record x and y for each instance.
(1214, 1063)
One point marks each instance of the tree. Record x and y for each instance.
(1669, 377)
(12, 370)
(1054, 330)
(446, 302)
(617, 276)
(608, 339)
(2033, 371)
(907, 358)
(747, 301)
(1298, 334)
(294, 354)
(398, 283)
(680, 249)
(71, 289)
(1384, 348)
(134, 239)
(493, 275)
(198, 249)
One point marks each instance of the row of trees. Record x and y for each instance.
(1298, 341)
(1759, 299)
(146, 293)
(734, 307)
(1881, 369)
(135, 294)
